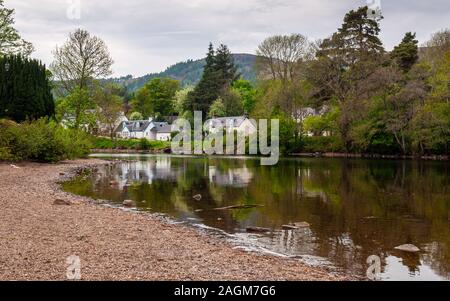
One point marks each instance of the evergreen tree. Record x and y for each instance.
(218, 75)
(25, 91)
(357, 40)
(225, 67)
(406, 53)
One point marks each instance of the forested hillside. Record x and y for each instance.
(190, 72)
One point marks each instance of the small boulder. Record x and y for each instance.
(62, 174)
(198, 197)
(289, 227)
(408, 248)
(301, 225)
(60, 202)
(128, 203)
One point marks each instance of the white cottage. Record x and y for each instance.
(148, 129)
(240, 124)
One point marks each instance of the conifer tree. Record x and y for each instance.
(406, 53)
(25, 91)
(219, 74)
(357, 40)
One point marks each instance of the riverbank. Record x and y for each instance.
(370, 156)
(37, 236)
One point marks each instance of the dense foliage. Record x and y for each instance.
(41, 141)
(363, 99)
(156, 98)
(25, 91)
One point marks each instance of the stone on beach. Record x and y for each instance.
(60, 202)
(408, 248)
(301, 225)
(128, 203)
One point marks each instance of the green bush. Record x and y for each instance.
(322, 144)
(41, 141)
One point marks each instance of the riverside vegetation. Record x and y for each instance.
(365, 99)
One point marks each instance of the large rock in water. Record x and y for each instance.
(408, 248)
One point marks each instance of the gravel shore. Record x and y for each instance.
(36, 238)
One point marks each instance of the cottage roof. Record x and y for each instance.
(162, 128)
(225, 121)
(139, 125)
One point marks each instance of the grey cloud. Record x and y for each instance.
(147, 36)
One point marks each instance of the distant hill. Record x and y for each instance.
(190, 72)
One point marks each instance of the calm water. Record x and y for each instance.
(355, 208)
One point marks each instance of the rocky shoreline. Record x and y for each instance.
(41, 226)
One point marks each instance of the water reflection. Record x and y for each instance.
(354, 208)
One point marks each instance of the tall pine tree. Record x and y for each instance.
(357, 40)
(219, 74)
(406, 54)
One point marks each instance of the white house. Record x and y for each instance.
(240, 124)
(163, 133)
(149, 129)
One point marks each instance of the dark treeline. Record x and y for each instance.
(25, 91)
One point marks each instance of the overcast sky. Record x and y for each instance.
(149, 35)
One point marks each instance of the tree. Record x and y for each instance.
(225, 67)
(232, 102)
(180, 99)
(344, 64)
(431, 129)
(136, 116)
(109, 106)
(156, 97)
(248, 94)
(405, 55)
(10, 40)
(400, 111)
(82, 59)
(356, 40)
(76, 109)
(217, 109)
(281, 57)
(25, 90)
(218, 75)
